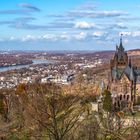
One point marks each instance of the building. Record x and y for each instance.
(124, 79)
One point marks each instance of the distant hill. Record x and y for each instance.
(134, 52)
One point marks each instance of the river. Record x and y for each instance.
(2, 69)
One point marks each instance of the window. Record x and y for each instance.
(127, 97)
(120, 97)
(124, 97)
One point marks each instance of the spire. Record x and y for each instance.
(115, 74)
(132, 74)
(121, 45)
(116, 48)
(130, 62)
(121, 39)
(102, 86)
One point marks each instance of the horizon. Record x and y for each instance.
(68, 51)
(82, 25)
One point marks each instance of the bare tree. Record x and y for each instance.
(51, 113)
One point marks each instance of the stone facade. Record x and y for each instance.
(124, 78)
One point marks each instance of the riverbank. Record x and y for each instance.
(34, 62)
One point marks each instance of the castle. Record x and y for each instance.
(124, 78)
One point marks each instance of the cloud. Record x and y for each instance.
(136, 34)
(12, 38)
(29, 6)
(90, 14)
(98, 34)
(50, 37)
(47, 37)
(25, 23)
(28, 26)
(29, 38)
(101, 26)
(89, 10)
(87, 6)
(51, 26)
(118, 26)
(96, 14)
(25, 19)
(17, 12)
(131, 34)
(6, 22)
(84, 25)
(121, 26)
(127, 33)
(129, 18)
(80, 36)
(27, 11)
(18, 22)
(61, 25)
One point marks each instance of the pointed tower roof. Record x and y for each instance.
(130, 62)
(121, 48)
(102, 86)
(116, 48)
(132, 77)
(115, 73)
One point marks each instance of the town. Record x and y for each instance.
(62, 68)
(98, 89)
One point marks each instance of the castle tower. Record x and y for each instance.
(119, 61)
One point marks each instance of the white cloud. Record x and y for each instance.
(125, 33)
(136, 34)
(131, 34)
(126, 41)
(65, 37)
(121, 25)
(12, 38)
(98, 34)
(50, 37)
(28, 38)
(84, 25)
(111, 13)
(81, 36)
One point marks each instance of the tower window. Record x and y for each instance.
(120, 97)
(127, 97)
(124, 97)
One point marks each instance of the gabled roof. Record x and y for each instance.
(130, 72)
(120, 52)
(117, 73)
(137, 72)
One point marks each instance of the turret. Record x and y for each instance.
(132, 74)
(116, 48)
(130, 62)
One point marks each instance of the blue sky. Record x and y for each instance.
(69, 24)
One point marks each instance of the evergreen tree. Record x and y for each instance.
(107, 102)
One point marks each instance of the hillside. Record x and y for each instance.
(134, 52)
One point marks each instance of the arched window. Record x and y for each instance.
(127, 97)
(120, 97)
(118, 104)
(124, 97)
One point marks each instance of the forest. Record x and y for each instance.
(47, 112)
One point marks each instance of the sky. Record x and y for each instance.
(69, 24)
